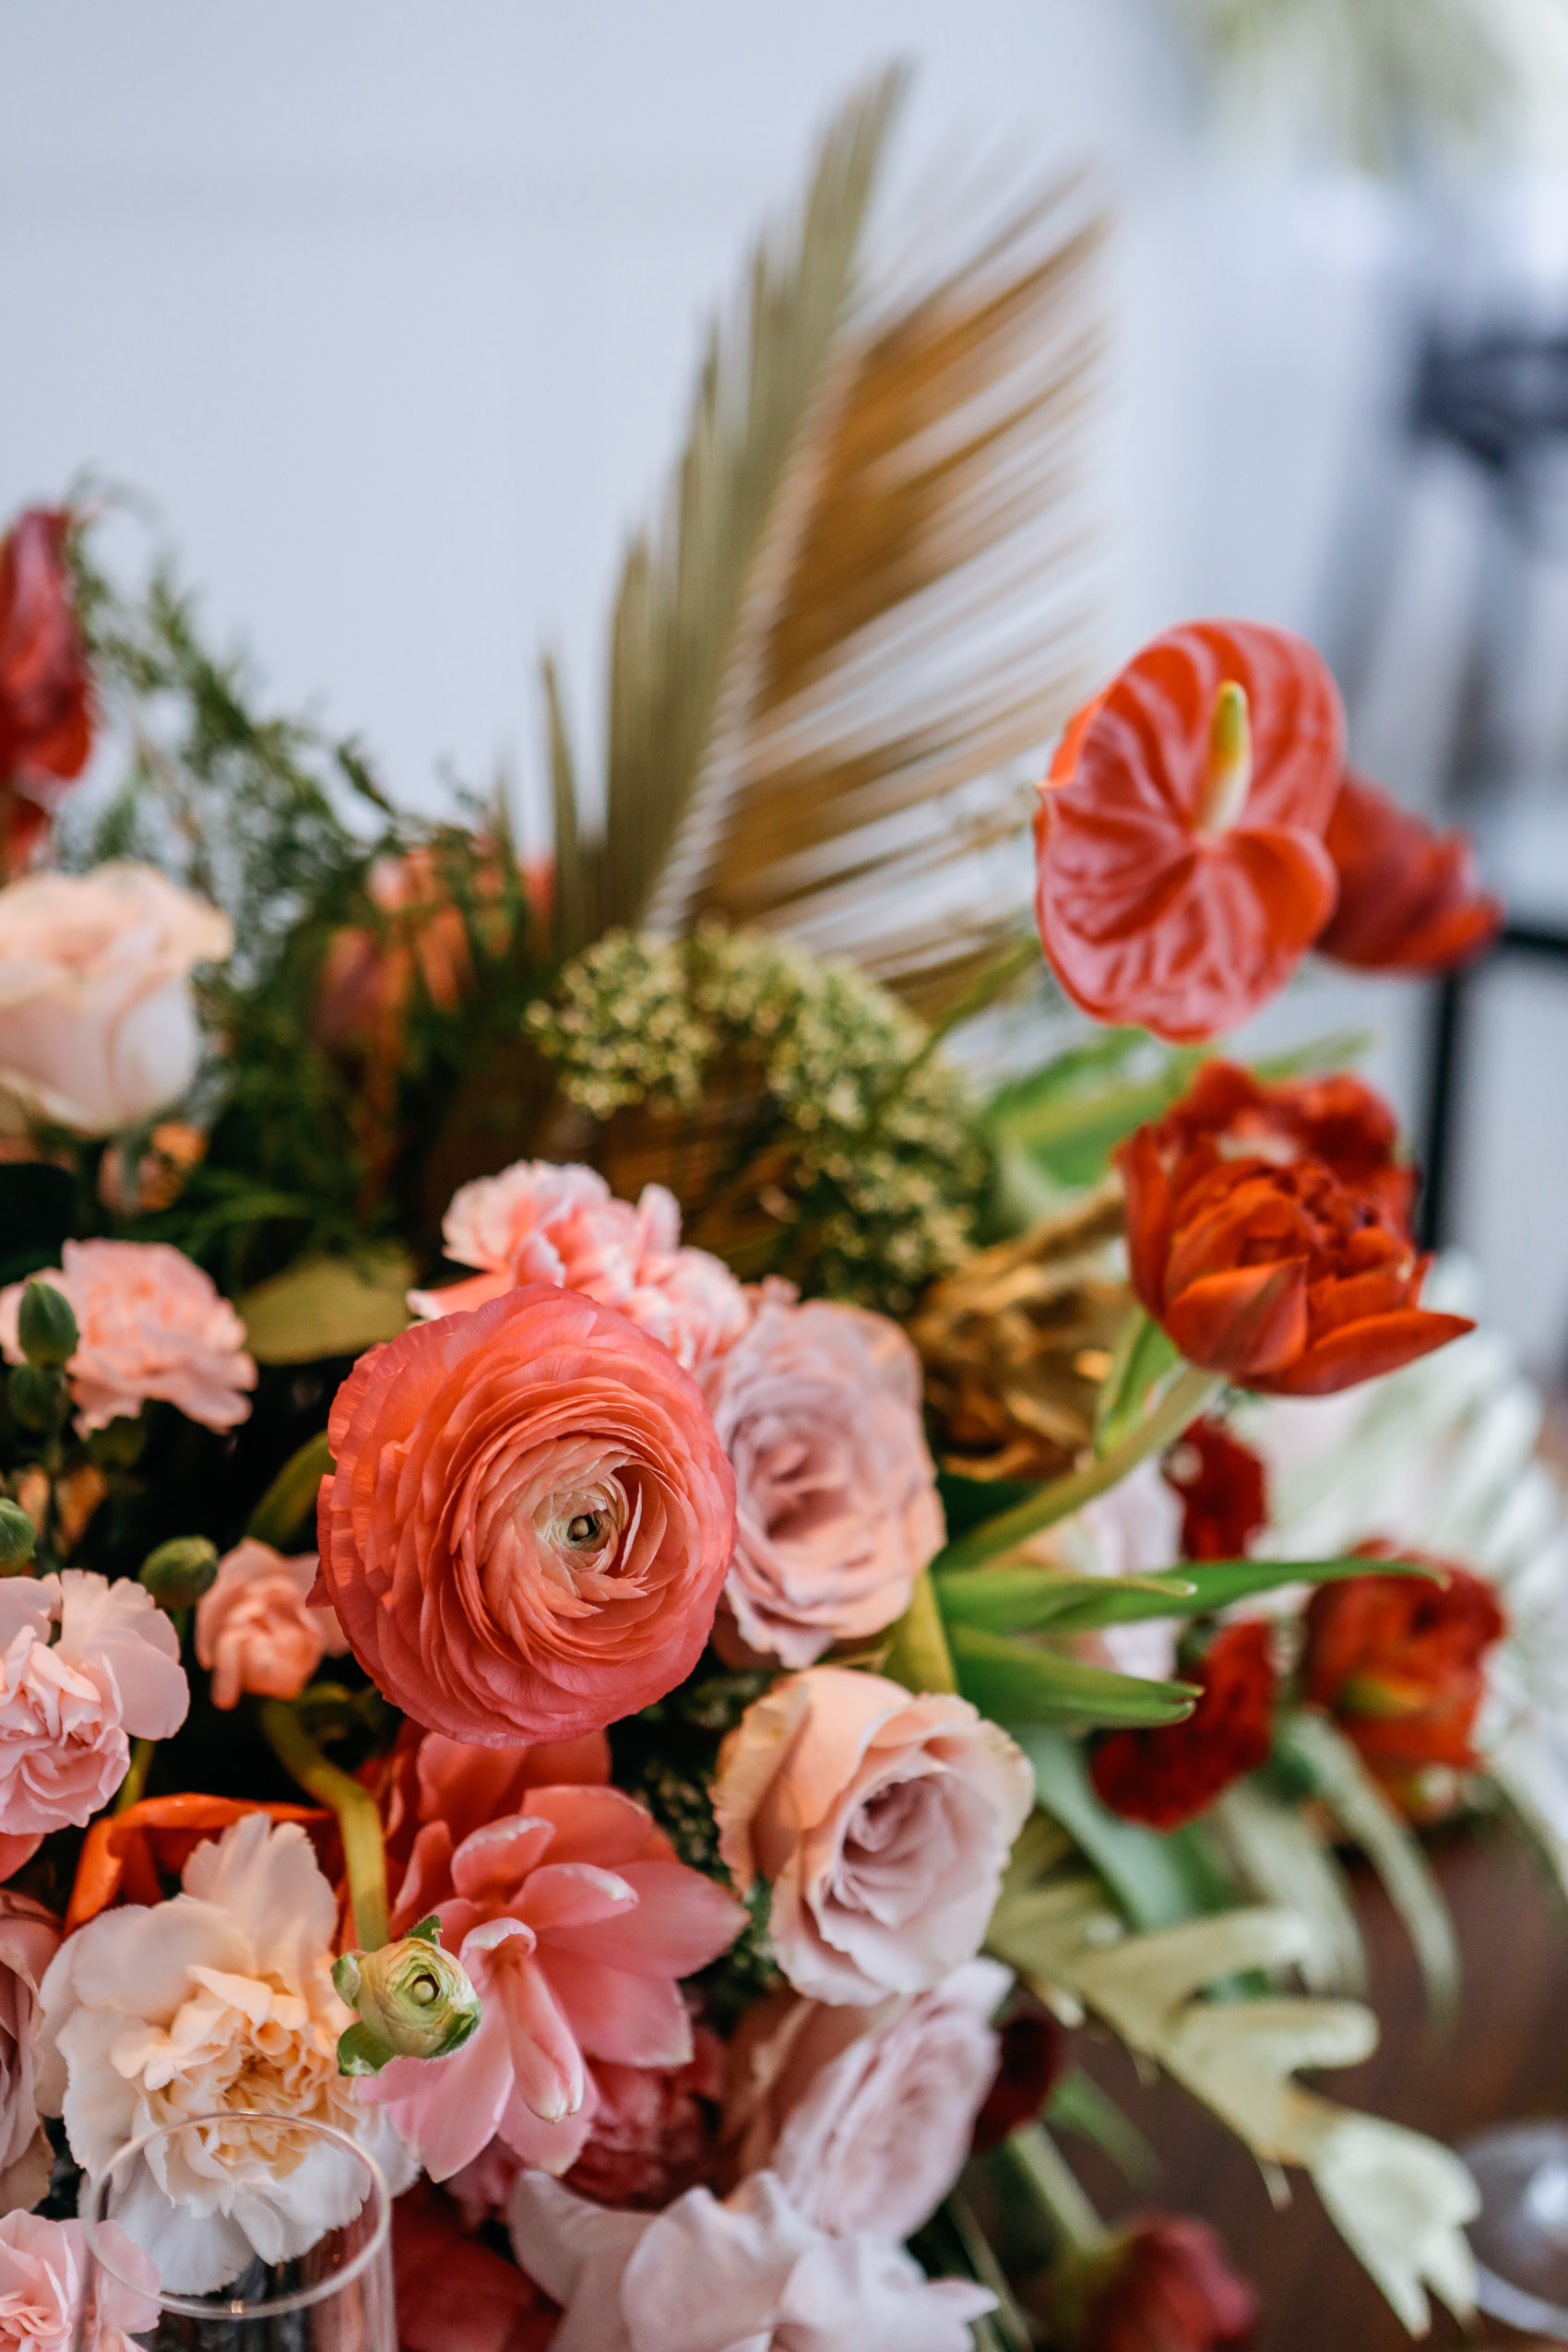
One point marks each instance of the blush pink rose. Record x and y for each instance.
(574, 1922)
(97, 1030)
(882, 1821)
(44, 2273)
(751, 2275)
(865, 2114)
(152, 1325)
(254, 1631)
(30, 1937)
(818, 1408)
(69, 1708)
(537, 1222)
(530, 1521)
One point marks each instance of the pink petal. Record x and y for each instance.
(595, 1825)
(553, 2147)
(573, 1895)
(681, 1921)
(546, 2061)
(496, 1859)
(447, 2107)
(639, 2021)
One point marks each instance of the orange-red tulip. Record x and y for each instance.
(1268, 1231)
(1181, 872)
(1410, 900)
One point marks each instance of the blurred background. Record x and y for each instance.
(391, 312)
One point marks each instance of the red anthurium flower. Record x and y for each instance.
(45, 689)
(1180, 869)
(1399, 1663)
(1268, 1231)
(1169, 1775)
(1224, 1492)
(1165, 2284)
(1410, 900)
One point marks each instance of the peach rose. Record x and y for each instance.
(67, 1704)
(818, 1408)
(530, 1520)
(152, 1325)
(253, 1632)
(882, 1821)
(97, 1025)
(30, 1937)
(865, 2115)
(536, 1222)
(44, 2273)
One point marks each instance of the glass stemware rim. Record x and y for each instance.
(298, 2299)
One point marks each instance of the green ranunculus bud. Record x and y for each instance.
(412, 1998)
(18, 1537)
(36, 1396)
(180, 1571)
(46, 1326)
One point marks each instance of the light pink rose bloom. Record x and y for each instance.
(748, 2275)
(152, 1325)
(44, 2274)
(865, 2114)
(30, 1937)
(70, 1709)
(818, 1408)
(253, 1632)
(574, 1922)
(537, 1222)
(97, 1026)
(882, 1821)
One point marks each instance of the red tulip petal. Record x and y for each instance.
(1361, 1351)
(1245, 1322)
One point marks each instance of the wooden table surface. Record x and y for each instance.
(1508, 2059)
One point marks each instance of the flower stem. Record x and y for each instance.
(135, 1783)
(1182, 1403)
(1036, 2155)
(364, 1854)
(920, 1657)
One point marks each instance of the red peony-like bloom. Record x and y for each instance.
(1167, 2287)
(1171, 1775)
(654, 2133)
(1409, 897)
(1224, 1492)
(456, 2294)
(1180, 869)
(1399, 1663)
(1033, 2050)
(1268, 1231)
(45, 689)
(530, 1521)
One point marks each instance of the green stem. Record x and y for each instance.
(364, 1854)
(920, 1657)
(1036, 2155)
(134, 1785)
(1182, 1402)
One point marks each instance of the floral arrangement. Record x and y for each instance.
(623, 1584)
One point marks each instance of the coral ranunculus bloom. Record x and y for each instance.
(1180, 868)
(1399, 1663)
(1169, 1775)
(45, 689)
(1410, 900)
(530, 1521)
(1268, 1231)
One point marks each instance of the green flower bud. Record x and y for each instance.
(17, 1537)
(46, 1326)
(412, 1998)
(180, 1571)
(36, 1396)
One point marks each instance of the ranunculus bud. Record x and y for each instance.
(46, 1325)
(17, 1537)
(180, 1571)
(413, 2000)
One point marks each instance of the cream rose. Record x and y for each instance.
(220, 1999)
(882, 1821)
(818, 1408)
(97, 1030)
(865, 2114)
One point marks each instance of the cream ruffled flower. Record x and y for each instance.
(219, 2001)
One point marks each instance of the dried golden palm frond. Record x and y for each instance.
(1017, 1343)
(869, 595)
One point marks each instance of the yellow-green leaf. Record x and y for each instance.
(328, 1307)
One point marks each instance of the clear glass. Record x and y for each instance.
(334, 2296)
(1520, 2236)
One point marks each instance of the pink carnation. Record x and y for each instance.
(818, 1408)
(69, 1709)
(253, 1632)
(536, 1222)
(152, 1325)
(44, 2273)
(571, 1915)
